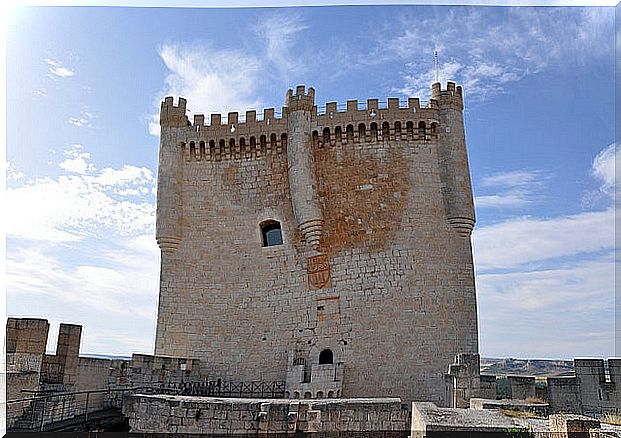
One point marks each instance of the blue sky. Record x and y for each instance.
(83, 92)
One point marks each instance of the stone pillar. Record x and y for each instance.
(453, 157)
(462, 382)
(301, 167)
(26, 339)
(68, 350)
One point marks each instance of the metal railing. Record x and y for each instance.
(221, 388)
(51, 411)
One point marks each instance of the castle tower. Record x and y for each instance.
(330, 249)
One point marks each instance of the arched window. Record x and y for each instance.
(201, 150)
(326, 357)
(192, 151)
(212, 149)
(271, 233)
(315, 138)
(385, 130)
(326, 136)
(397, 127)
(421, 128)
(273, 141)
(409, 127)
(338, 134)
(361, 132)
(283, 141)
(373, 131)
(350, 133)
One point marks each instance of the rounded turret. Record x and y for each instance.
(170, 175)
(453, 159)
(301, 167)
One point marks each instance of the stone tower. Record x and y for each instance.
(326, 248)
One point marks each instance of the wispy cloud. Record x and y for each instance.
(566, 309)
(56, 68)
(222, 80)
(520, 241)
(512, 189)
(111, 287)
(85, 119)
(486, 49)
(603, 170)
(212, 80)
(279, 33)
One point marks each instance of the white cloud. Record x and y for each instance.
(519, 241)
(69, 207)
(78, 161)
(120, 278)
(39, 92)
(85, 119)
(57, 69)
(514, 189)
(12, 173)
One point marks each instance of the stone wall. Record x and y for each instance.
(487, 387)
(389, 286)
(207, 415)
(521, 387)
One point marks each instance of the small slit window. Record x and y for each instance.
(271, 233)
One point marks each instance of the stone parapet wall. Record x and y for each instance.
(208, 415)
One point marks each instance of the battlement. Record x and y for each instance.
(256, 135)
(173, 116)
(451, 96)
(300, 101)
(330, 115)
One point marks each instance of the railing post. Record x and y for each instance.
(86, 408)
(43, 414)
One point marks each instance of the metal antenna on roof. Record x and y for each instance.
(437, 65)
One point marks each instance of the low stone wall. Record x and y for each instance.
(211, 415)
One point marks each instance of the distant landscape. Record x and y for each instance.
(527, 367)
